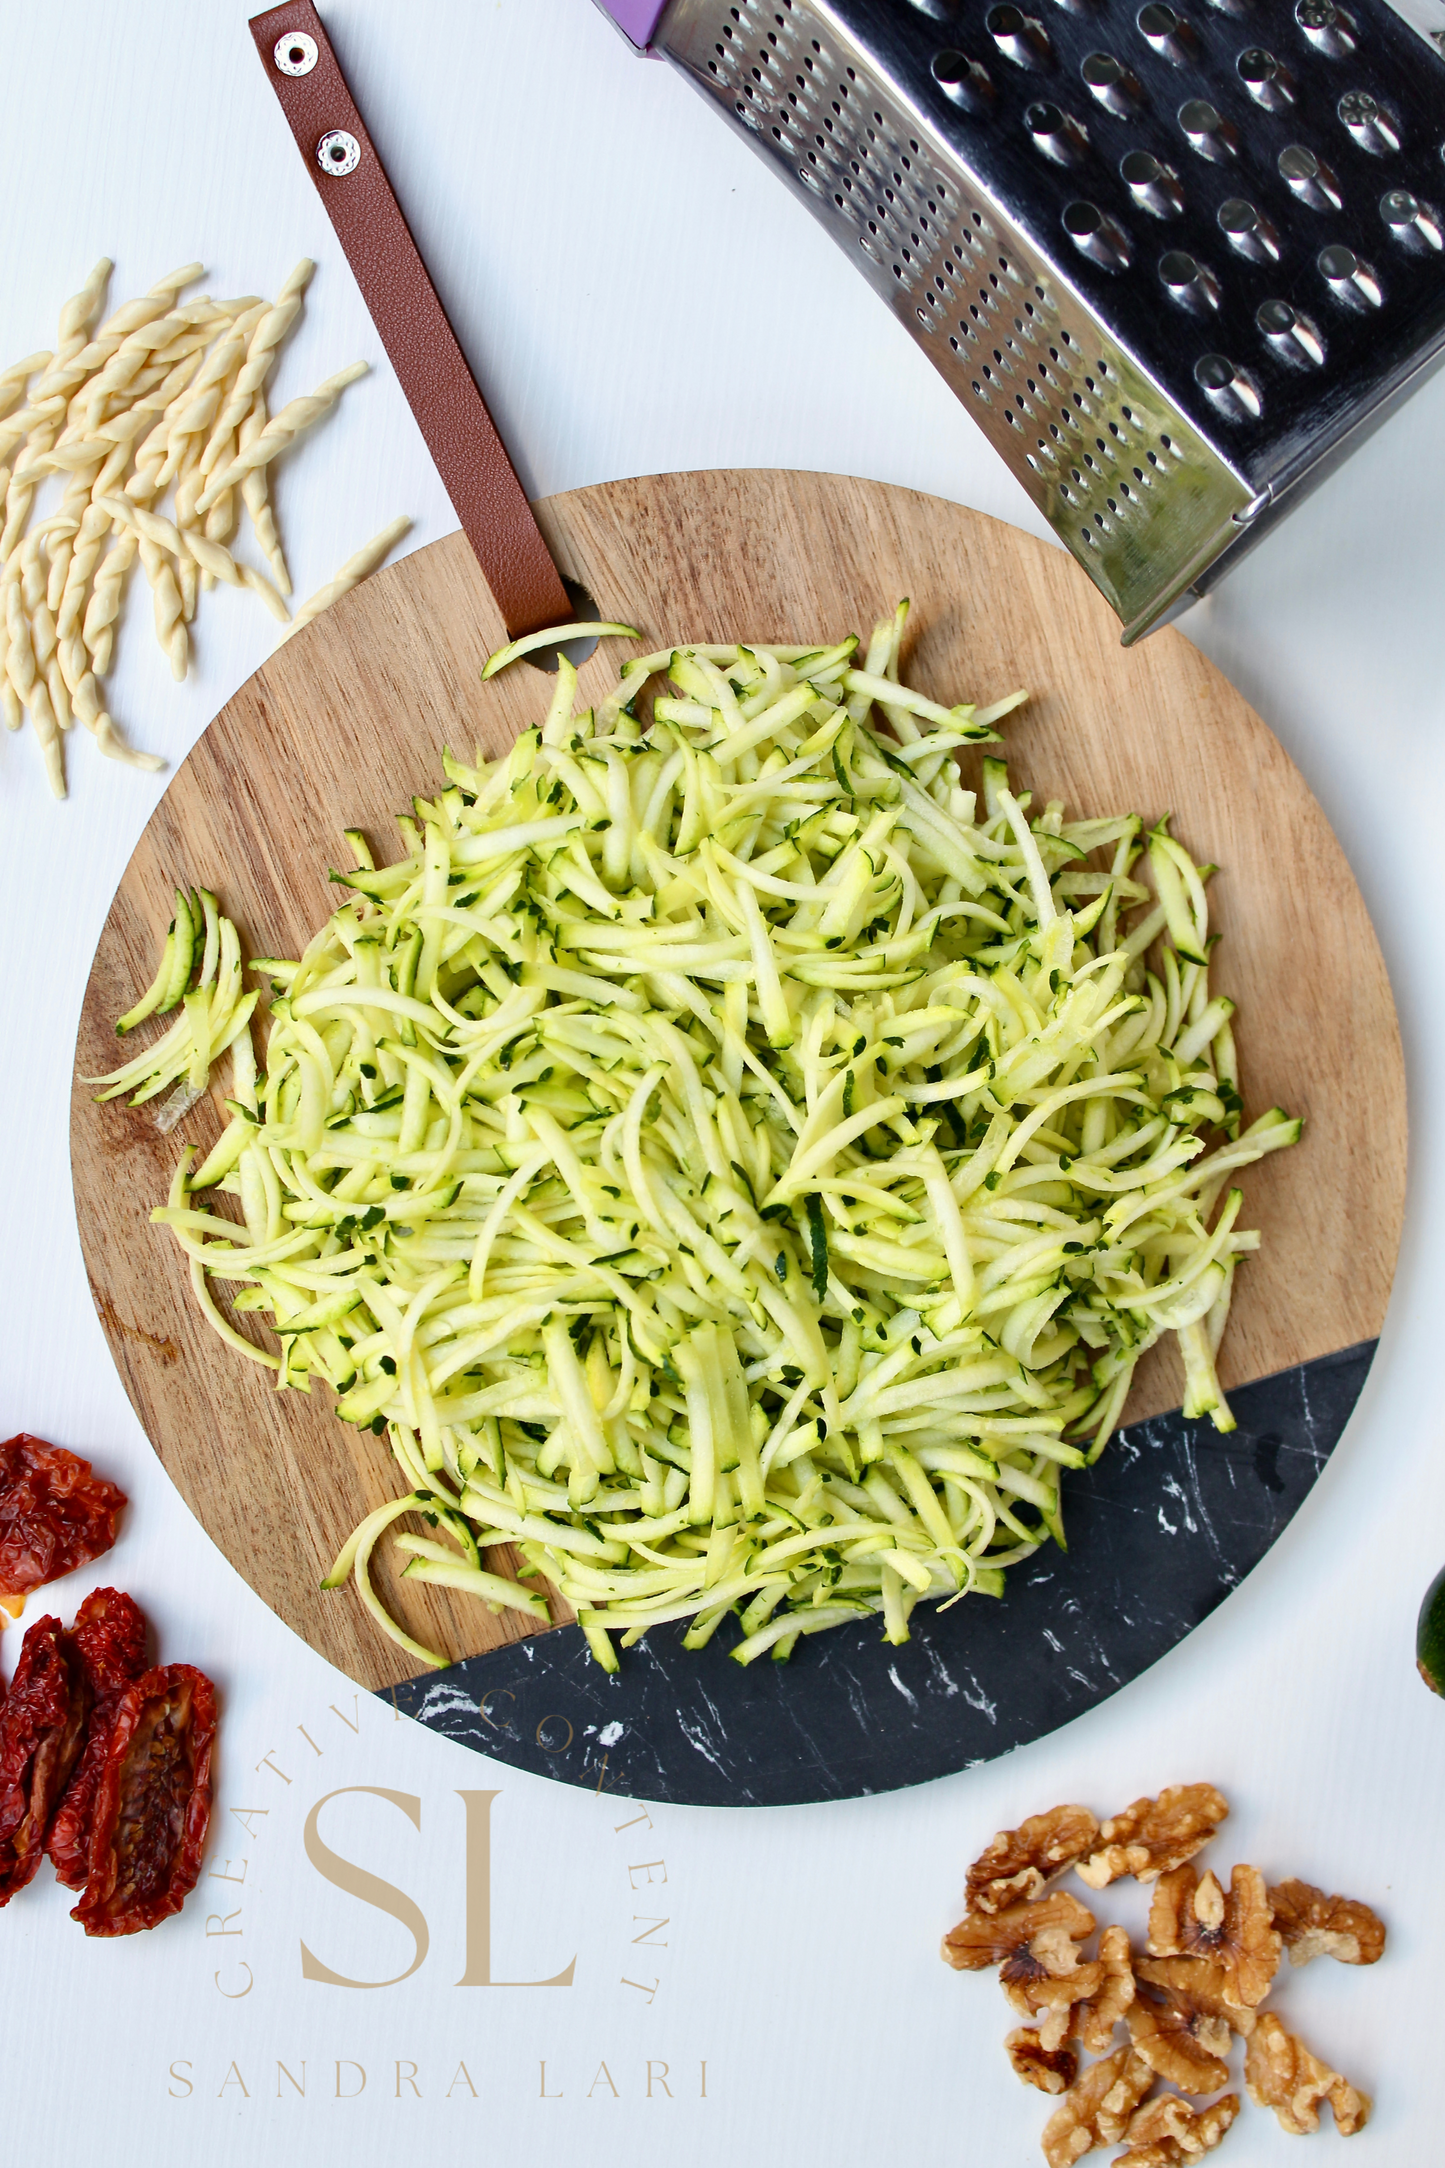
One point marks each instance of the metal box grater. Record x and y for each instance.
(1172, 264)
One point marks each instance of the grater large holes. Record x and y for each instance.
(1188, 283)
(1020, 38)
(1413, 224)
(1153, 185)
(1310, 179)
(1269, 84)
(1248, 233)
(1112, 84)
(1169, 34)
(1231, 391)
(1372, 125)
(1351, 281)
(1329, 29)
(1056, 134)
(1097, 236)
(1209, 134)
(1291, 337)
(967, 82)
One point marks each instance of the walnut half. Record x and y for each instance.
(985, 1938)
(1191, 1917)
(1282, 2074)
(1020, 1863)
(1314, 1925)
(1167, 2131)
(1179, 2035)
(1096, 2111)
(1154, 1835)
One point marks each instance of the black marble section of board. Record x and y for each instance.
(1160, 1531)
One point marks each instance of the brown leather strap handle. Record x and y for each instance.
(430, 365)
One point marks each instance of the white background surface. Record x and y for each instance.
(637, 293)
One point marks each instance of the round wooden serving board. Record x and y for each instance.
(348, 721)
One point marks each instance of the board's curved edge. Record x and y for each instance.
(847, 1715)
(418, 622)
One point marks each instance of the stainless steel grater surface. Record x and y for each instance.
(1172, 264)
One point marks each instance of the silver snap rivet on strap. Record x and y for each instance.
(338, 153)
(295, 54)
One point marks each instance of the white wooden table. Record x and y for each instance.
(551, 180)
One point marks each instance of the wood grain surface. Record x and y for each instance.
(348, 720)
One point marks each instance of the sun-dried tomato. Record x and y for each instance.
(41, 1729)
(110, 1635)
(153, 1803)
(55, 1514)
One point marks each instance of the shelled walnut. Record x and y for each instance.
(1021, 1863)
(1214, 1954)
(984, 1939)
(1314, 1925)
(1202, 1982)
(1154, 1835)
(1190, 1916)
(1282, 2074)
(1179, 2038)
(1168, 2130)
(1096, 2111)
